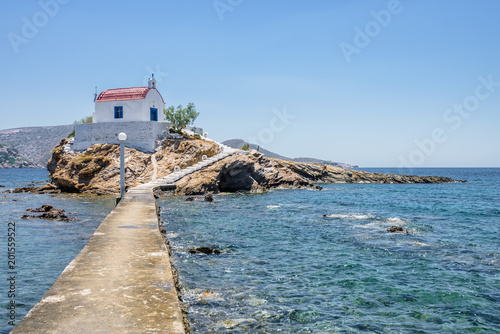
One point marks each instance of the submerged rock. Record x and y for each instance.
(397, 229)
(243, 324)
(204, 250)
(209, 294)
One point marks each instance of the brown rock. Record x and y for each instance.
(43, 208)
(97, 170)
(48, 212)
(394, 229)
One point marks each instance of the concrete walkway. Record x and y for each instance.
(121, 282)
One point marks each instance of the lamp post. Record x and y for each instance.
(122, 137)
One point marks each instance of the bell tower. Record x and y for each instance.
(152, 82)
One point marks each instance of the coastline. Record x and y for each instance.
(96, 170)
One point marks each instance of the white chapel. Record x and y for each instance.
(136, 111)
(141, 104)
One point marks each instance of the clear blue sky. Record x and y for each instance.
(246, 60)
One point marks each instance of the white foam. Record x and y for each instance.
(370, 225)
(420, 244)
(351, 216)
(395, 220)
(271, 207)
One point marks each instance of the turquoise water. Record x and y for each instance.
(288, 269)
(43, 247)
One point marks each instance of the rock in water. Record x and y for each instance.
(398, 229)
(48, 212)
(209, 198)
(204, 250)
(43, 208)
(394, 229)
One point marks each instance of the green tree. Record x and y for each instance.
(246, 147)
(181, 117)
(84, 120)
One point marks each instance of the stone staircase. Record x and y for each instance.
(168, 182)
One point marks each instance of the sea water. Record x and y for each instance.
(43, 248)
(298, 261)
(303, 261)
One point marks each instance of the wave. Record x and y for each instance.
(350, 216)
(395, 220)
(271, 207)
(365, 216)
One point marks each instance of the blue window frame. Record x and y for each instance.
(154, 114)
(118, 112)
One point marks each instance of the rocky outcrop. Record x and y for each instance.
(256, 173)
(97, 170)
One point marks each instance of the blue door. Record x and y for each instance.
(154, 114)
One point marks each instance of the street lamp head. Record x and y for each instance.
(122, 136)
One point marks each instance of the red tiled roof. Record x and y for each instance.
(123, 94)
